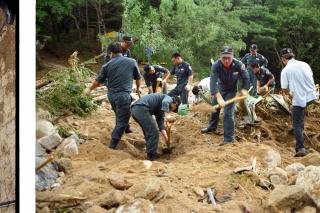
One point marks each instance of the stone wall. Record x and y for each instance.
(7, 115)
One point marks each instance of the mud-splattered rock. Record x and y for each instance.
(148, 189)
(69, 147)
(44, 128)
(284, 197)
(277, 176)
(96, 209)
(309, 179)
(198, 191)
(272, 159)
(118, 181)
(64, 164)
(111, 199)
(137, 206)
(311, 159)
(294, 169)
(50, 142)
(307, 209)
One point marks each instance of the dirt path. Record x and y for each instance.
(197, 160)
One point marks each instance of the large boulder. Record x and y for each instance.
(111, 199)
(69, 147)
(137, 206)
(294, 169)
(272, 159)
(285, 197)
(277, 176)
(44, 128)
(147, 189)
(47, 176)
(309, 179)
(118, 181)
(43, 114)
(50, 142)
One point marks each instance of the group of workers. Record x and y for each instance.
(119, 70)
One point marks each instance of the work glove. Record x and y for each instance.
(86, 91)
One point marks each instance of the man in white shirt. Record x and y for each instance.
(297, 80)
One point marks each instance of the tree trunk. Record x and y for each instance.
(87, 21)
(77, 25)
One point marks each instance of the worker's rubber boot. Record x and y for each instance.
(152, 157)
(113, 144)
(206, 130)
(301, 152)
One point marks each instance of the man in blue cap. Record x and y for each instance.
(143, 110)
(297, 81)
(154, 73)
(118, 72)
(265, 79)
(224, 77)
(183, 71)
(250, 58)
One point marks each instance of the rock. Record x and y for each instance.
(96, 209)
(46, 176)
(242, 169)
(75, 137)
(265, 184)
(147, 189)
(217, 208)
(86, 205)
(45, 210)
(294, 169)
(309, 179)
(111, 199)
(272, 159)
(44, 128)
(43, 114)
(147, 164)
(69, 147)
(61, 174)
(311, 159)
(284, 197)
(137, 206)
(50, 142)
(118, 181)
(198, 191)
(307, 209)
(277, 175)
(40, 151)
(64, 164)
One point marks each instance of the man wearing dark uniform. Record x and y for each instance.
(224, 77)
(265, 79)
(119, 72)
(142, 110)
(126, 42)
(250, 58)
(152, 74)
(184, 75)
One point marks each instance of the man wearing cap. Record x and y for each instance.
(183, 72)
(142, 111)
(297, 81)
(224, 77)
(202, 91)
(126, 42)
(265, 79)
(250, 58)
(154, 73)
(119, 72)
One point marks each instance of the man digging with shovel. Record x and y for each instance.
(159, 105)
(224, 77)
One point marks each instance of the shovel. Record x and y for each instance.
(230, 101)
(168, 149)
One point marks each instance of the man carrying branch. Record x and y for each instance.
(224, 77)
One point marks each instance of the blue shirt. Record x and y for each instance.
(118, 72)
(182, 72)
(225, 80)
(157, 104)
(264, 75)
(151, 79)
(248, 59)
